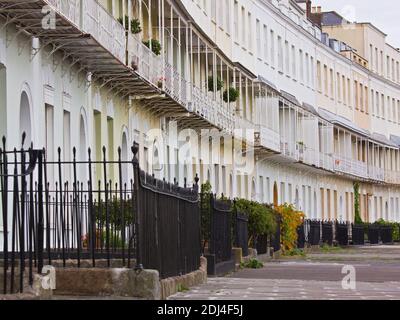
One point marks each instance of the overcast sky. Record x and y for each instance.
(384, 14)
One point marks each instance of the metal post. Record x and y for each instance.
(40, 229)
(136, 190)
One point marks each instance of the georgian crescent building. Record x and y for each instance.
(320, 94)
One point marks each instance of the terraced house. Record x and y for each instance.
(320, 95)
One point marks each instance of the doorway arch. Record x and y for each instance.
(124, 159)
(297, 200)
(231, 186)
(386, 211)
(253, 191)
(25, 121)
(315, 213)
(82, 151)
(276, 195)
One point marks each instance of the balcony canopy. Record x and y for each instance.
(383, 140)
(348, 125)
(342, 122)
(263, 81)
(395, 140)
(310, 108)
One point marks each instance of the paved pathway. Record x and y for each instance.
(316, 277)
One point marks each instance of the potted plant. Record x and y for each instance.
(220, 84)
(160, 82)
(135, 64)
(301, 147)
(134, 24)
(155, 46)
(231, 95)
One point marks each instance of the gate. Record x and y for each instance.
(358, 237)
(373, 234)
(301, 236)
(221, 229)
(342, 233)
(386, 233)
(241, 233)
(327, 233)
(314, 237)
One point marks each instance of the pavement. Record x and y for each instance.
(317, 276)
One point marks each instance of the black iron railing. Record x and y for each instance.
(242, 233)
(221, 229)
(84, 212)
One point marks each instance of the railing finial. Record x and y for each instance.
(135, 149)
(23, 139)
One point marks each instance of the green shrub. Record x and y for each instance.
(252, 264)
(261, 218)
(232, 93)
(357, 216)
(295, 252)
(135, 24)
(155, 46)
(205, 211)
(394, 225)
(117, 209)
(181, 288)
(220, 84)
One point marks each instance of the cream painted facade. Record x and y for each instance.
(322, 121)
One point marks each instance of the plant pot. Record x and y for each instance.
(135, 67)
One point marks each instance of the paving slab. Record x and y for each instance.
(318, 276)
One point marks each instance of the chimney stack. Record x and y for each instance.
(308, 10)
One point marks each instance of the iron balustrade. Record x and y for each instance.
(83, 213)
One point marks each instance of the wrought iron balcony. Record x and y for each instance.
(376, 174)
(219, 114)
(349, 166)
(268, 139)
(391, 176)
(326, 161)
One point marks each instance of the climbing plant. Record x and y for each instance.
(205, 208)
(357, 214)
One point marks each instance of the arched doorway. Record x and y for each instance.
(276, 195)
(315, 213)
(231, 186)
(239, 186)
(253, 191)
(341, 208)
(386, 211)
(124, 158)
(82, 151)
(297, 200)
(25, 119)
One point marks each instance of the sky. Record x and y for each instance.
(384, 14)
